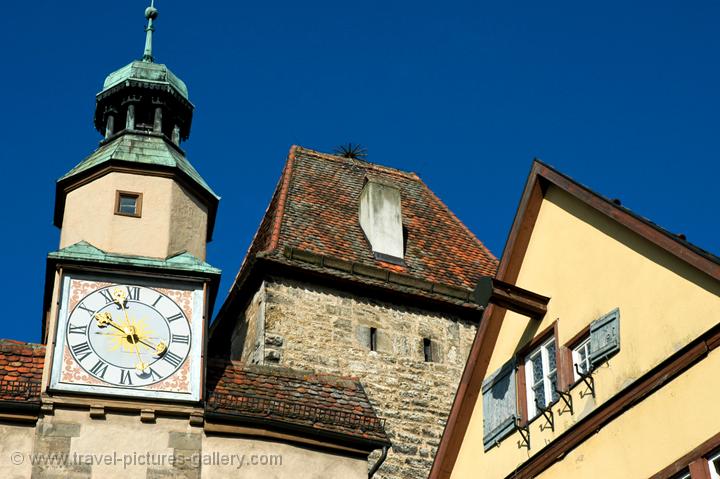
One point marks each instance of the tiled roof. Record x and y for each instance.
(327, 404)
(315, 209)
(84, 251)
(142, 149)
(21, 366)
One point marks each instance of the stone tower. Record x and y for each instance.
(359, 269)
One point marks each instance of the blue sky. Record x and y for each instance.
(622, 96)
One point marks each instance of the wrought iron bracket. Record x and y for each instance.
(547, 414)
(524, 433)
(587, 379)
(566, 397)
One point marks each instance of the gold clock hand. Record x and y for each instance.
(158, 348)
(119, 296)
(140, 366)
(105, 318)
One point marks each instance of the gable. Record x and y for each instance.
(589, 264)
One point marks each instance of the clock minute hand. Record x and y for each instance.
(158, 348)
(119, 296)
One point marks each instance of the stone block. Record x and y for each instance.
(273, 340)
(179, 440)
(272, 355)
(82, 471)
(59, 429)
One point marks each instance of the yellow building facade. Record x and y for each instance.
(617, 376)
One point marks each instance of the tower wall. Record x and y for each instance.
(295, 324)
(172, 221)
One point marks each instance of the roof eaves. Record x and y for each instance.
(606, 206)
(85, 252)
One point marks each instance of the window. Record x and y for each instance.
(581, 358)
(427, 350)
(714, 464)
(128, 204)
(703, 462)
(373, 339)
(541, 377)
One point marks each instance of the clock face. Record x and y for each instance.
(130, 336)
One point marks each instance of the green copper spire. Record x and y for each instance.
(151, 13)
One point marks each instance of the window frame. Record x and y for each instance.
(138, 203)
(577, 359)
(568, 359)
(696, 462)
(543, 351)
(715, 455)
(551, 332)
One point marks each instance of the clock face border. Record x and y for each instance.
(197, 329)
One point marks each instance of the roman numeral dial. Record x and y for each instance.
(130, 336)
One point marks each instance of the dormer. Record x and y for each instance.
(381, 220)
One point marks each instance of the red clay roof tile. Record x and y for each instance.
(315, 208)
(328, 403)
(21, 367)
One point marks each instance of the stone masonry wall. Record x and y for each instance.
(328, 330)
(69, 443)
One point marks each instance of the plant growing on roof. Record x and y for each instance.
(356, 152)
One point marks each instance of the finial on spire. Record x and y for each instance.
(151, 13)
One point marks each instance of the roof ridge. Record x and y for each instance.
(284, 184)
(411, 175)
(15, 342)
(710, 256)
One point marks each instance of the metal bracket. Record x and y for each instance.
(566, 397)
(588, 380)
(547, 414)
(524, 433)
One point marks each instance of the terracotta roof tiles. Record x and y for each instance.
(315, 208)
(21, 366)
(325, 403)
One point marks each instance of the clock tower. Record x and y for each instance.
(129, 294)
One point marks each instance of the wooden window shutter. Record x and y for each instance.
(605, 337)
(499, 405)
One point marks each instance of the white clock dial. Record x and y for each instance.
(128, 336)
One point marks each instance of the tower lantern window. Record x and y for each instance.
(128, 204)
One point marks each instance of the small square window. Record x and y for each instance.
(541, 377)
(581, 358)
(128, 204)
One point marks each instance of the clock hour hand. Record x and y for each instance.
(132, 337)
(103, 319)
